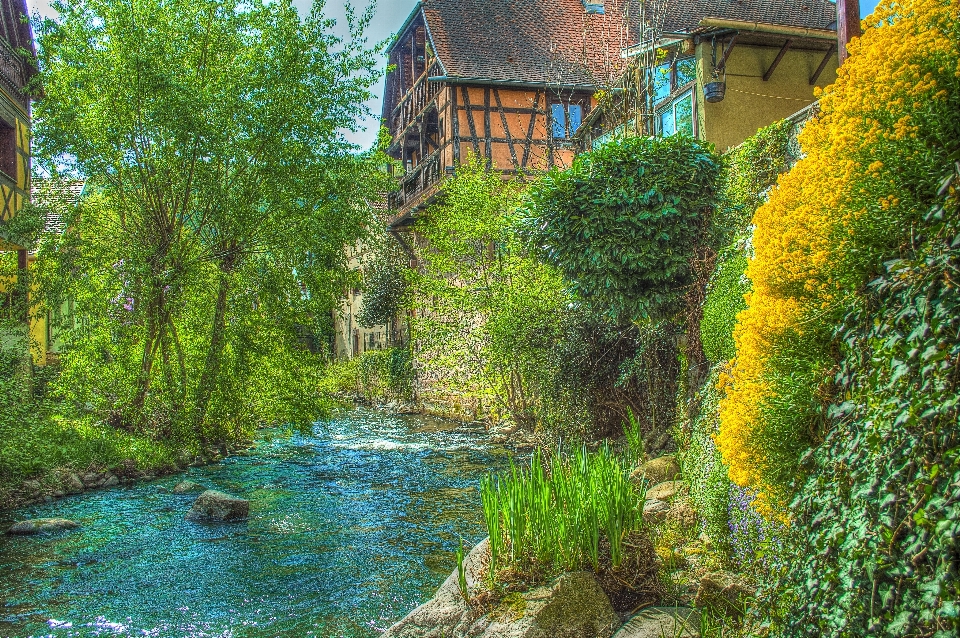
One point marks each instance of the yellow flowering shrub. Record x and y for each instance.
(873, 159)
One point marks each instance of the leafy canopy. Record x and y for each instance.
(622, 223)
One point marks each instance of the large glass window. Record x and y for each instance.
(672, 76)
(678, 116)
(661, 81)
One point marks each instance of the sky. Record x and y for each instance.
(389, 16)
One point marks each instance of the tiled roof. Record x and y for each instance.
(55, 197)
(558, 42)
(682, 16)
(534, 41)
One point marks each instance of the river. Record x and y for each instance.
(350, 528)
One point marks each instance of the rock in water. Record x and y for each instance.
(573, 606)
(71, 483)
(186, 487)
(657, 622)
(217, 506)
(42, 525)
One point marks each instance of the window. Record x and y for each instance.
(8, 149)
(566, 119)
(678, 116)
(672, 76)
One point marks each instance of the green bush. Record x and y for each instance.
(724, 300)
(623, 223)
(878, 519)
(375, 375)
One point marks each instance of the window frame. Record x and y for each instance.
(670, 105)
(565, 108)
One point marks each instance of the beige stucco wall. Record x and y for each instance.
(750, 103)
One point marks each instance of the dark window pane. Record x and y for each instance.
(559, 120)
(576, 117)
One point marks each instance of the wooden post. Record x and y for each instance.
(848, 25)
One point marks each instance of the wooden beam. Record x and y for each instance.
(506, 129)
(473, 129)
(726, 52)
(533, 120)
(848, 24)
(776, 61)
(455, 123)
(823, 65)
(486, 126)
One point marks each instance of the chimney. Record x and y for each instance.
(848, 25)
(593, 7)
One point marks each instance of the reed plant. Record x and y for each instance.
(551, 515)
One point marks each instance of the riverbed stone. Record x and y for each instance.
(658, 470)
(657, 622)
(666, 490)
(572, 606)
(41, 525)
(187, 487)
(214, 505)
(655, 511)
(71, 483)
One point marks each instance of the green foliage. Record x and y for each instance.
(703, 469)
(724, 300)
(222, 198)
(750, 170)
(553, 515)
(462, 575)
(385, 288)
(484, 306)
(878, 519)
(623, 223)
(373, 376)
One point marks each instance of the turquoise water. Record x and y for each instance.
(350, 529)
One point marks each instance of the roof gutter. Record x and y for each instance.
(763, 27)
(452, 79)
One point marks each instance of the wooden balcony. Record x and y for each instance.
(14, 73)
(416, 189)
(414, 101)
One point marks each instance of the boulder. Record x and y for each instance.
(71, 483)
(657, 622)
(217, 506)
(32, 487)
(41, 525)
(655, 511)
(724, 593)
(111, 481)
(664, 468)
(573, 606)
(187, 487)
(682, 513)
(666, 490)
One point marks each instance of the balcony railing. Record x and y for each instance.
(415, 187)
(13, 72)
(415, 100)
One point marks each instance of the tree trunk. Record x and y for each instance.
(211, 367)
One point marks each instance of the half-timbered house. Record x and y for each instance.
(508, 81)
(17, 66)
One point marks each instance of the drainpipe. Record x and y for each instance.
(848, 25)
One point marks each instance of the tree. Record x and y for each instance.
(212, 131)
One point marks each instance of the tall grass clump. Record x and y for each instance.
(552, 515)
